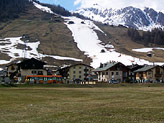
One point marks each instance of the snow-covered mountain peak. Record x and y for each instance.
(144, 19)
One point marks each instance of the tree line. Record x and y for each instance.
(10, 9)
(156, 36)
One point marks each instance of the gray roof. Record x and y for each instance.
(106, 67)
(145, 68)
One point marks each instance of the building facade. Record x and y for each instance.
(150, 74)
(112, 71)
(78, 73)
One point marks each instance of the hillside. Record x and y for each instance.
(60, 40)
(55, 38)
(118, 36)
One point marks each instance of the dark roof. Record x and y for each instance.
(145, 68)
(135, 67)
(32, 64)
(106, 67)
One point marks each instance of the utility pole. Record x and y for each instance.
(25, 38)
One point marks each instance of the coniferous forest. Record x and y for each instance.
(10, 9)
(156, 36)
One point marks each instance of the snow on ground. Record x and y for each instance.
(145, 50)
(11, 47)
(87, 41)
(43, 8)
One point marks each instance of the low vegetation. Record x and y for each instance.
(82, 103)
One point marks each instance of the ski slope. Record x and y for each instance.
(87, 40)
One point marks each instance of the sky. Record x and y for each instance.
(75, 4)
(67, 4)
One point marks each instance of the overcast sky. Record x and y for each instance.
(74, 4)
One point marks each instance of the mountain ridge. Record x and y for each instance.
(146, 19)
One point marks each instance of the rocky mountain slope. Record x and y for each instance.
(130, 16)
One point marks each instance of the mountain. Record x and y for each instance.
(129, 16)
(53, 34)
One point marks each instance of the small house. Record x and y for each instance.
(150, 73)
(32, 67)
(132, 74)
(112, 71)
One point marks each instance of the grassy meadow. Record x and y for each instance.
(124, 103)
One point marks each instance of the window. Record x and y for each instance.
(33, 72)
(117, 73)
(40, 72)
(106, 73)
(74, 77)
(112, 73)
(124, 74)
(80, 77)
(79, 72)
(79, 67)
(74, 72)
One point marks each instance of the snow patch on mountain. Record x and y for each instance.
(146, 50)
(16, 48)
(43, 8)
(87, 40)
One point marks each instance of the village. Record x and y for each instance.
(34, 71)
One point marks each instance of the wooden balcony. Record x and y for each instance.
(158, 75)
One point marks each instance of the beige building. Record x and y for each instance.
(112, 71)
(150, 74)
(25, 72)
(79, 72)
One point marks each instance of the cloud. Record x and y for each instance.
(155, 4)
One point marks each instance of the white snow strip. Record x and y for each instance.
(62, 58)
(4, 62)
(43, 8)
(145, 50)
(87, 41)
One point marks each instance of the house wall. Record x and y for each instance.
(78, 72)
(25, 72)
(151, 75)
(108, 75)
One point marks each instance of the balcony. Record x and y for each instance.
(158, 75)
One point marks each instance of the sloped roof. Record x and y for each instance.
(106, 67)
(145, 68)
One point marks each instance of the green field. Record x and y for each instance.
(123, 103)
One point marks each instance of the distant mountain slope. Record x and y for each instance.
(130, 17)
